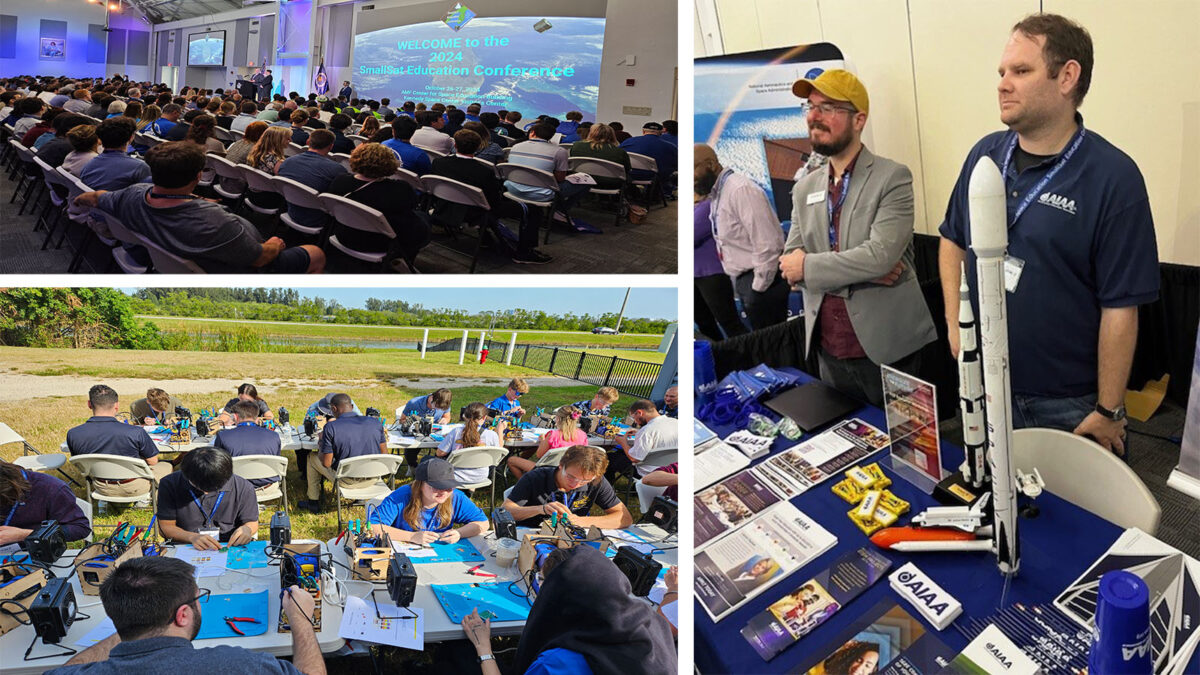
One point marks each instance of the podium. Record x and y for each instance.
(247, 89)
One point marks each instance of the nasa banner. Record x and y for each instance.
(1186, 476)
(321, 81)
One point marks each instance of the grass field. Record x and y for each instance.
(284, 329)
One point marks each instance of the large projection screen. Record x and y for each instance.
(497, 61)
(206, 49)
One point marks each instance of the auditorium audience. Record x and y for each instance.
(85, 146)
(298, 119)
(373, 165)
(248, 114)
(314, 118)
(454, 121)
(268, 153)
(240, 149)
(619, 130)
(411, 157)
(116, 108)
(370, 127)
(167, 121)
(225, 115)
(601, 143)
(429, 136)
(43, 126)
(114, 169)
(170, 216)
(492, 152)
(652, 145)
(539, 153)
(314, 168)
(338, 124)
(30, 110)
(81, 102)
(201, 133)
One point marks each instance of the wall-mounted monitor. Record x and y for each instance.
(206, 49)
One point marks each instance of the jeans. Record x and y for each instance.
(1056, 413)
(861, 377)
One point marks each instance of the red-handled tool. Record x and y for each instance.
(232, 626)
(474, 571)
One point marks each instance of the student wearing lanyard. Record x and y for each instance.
(27, 498)
(850, 247)
(1081, 248)
(748, 237)
(204, 504)
(573, 487)
(429, 508)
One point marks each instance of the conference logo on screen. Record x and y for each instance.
(458, 17)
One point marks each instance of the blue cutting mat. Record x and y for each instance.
(215, 608)
(459, 600)
(249, 556)
(460, 551)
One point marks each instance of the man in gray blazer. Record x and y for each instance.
(850, 247)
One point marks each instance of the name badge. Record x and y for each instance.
(815, 197)
(1012, 272)
(215, 534)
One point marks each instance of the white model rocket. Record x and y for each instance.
(970, 389)
(989, 239)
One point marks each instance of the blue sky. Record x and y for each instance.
(651, 303)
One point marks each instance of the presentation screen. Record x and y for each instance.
(206, 49)
(534, 64)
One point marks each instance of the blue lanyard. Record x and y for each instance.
(716, 194)
(242, 424)
(568, 497)
(830, 208)
(209, 519)
(16, 505)
(1041, 184)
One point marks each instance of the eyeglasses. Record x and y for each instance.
(825, 109)
(204, 593)
(568, 478)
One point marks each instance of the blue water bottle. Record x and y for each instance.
(706, 372)
(1121, 638)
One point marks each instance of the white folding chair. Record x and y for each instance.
(480, 457)
(252, 467)
(237, 135)
(488, 165)
(123, 258)
(648, 187)
(222, 134)
(365, 467)
(646, 494)
(1082, 472)
(413, 180)
(258, 181)
(25, 168)
(341, 158)
(293, 149)
(296, 193)
(76, 187)
(57, 191)
(552, 457)
(230, 184)
(458, 192)
(166, 262)
(100, 467)
(86, 507)
(537, 178)
(35, 461)
(603, 168)
(357, 216)
(357, 140)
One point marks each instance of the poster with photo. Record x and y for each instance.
(911, 407)
(728, 504)
(829, 453)
(757, 555)
(887, 640)
(53, 49)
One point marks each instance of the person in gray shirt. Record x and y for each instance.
(170, 216)
(155, 605)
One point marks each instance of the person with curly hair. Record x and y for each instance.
(373, 165)
(853, 658)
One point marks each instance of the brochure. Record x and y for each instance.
(796, 469)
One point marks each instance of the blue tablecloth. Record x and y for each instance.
(1056, 547)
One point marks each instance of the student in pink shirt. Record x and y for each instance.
(565, 434)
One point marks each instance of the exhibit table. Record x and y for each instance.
(1056, 547)
(438, 625)
(255, 580)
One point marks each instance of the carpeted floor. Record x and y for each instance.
(649, 247)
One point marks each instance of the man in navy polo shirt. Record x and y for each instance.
(114, 169)
(314, 168)
(349, 435)
(411, 157)
(204, 503)
(1081, 249)
(247, 438)
(652, 145)
(436, 404)
(103, 434)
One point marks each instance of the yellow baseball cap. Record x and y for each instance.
(837, 84)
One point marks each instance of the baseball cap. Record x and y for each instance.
(324, 406)
(653, 126)
(437, 472)
(837, 84)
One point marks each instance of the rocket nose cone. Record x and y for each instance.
(987, 209)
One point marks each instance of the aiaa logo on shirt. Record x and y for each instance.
(1058, 202)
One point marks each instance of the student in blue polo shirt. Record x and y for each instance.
(435, 405)
(102, 433)
(314, 168)
(665, 155)
(246, 392)
(248, 438)
(205, 504)
(411, 157)
(509, 403)
(349, 435)
(429, 508)
(114, 169)
(1081, 246)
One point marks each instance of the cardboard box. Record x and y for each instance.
(370, 563)
(93, 572)
(302, 548)
(26, 580)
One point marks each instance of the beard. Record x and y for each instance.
(835, 145)
(196, 624)
(704, 182)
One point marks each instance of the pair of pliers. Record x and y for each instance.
(232, 626)
(474, 571)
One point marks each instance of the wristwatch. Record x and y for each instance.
(1116, 415)
(486, 657)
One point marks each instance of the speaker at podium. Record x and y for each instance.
(247, 89)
